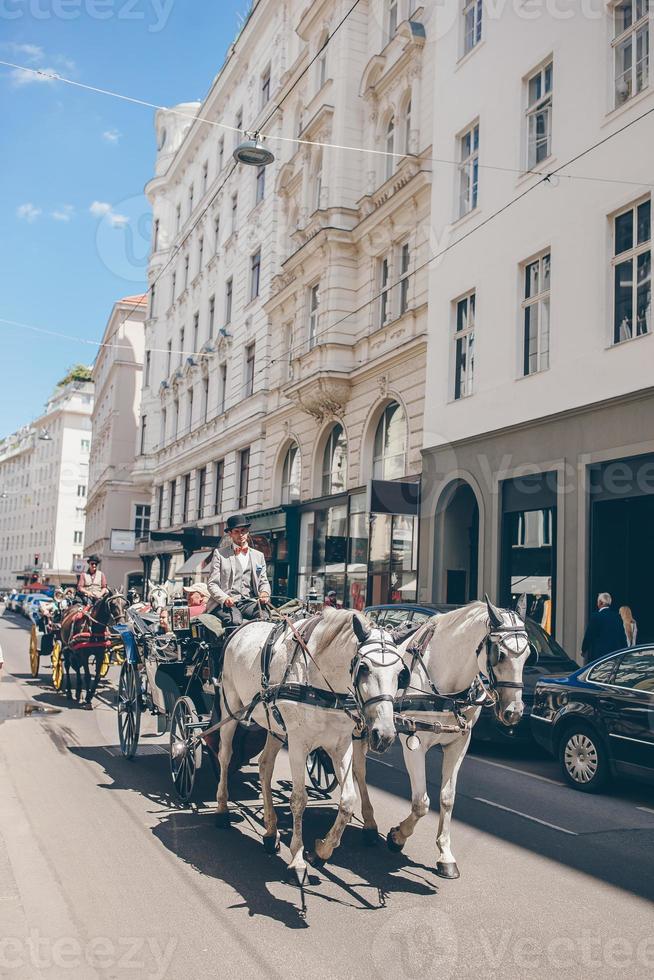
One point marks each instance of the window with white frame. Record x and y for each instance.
(392, 18)
(222, 394)
(464, 345)
(468, 169)
(536, 315)
(229, 294)
(632, 272)
(288, 350)
(321, 72)
(249, 369)
(77, 537)
(472, 21)
(141, 519)
(407, 127)
(539, 116)
(186, 268)
(630, 48)
(178, 217)
(404, 256)
(212, 314)
(314, 307)
(384, 277)
(334, 462)
(173, 286)
(261, 185)
(234, 213)
(390, 445)
(205, 176)
(221, 153)
(265, 87)
(205, 398)
(317, 181)
(255, 274)
(200, 254)
(291, 475)
(190, 199)
(389, 149)
(189, 409)
(216, 232)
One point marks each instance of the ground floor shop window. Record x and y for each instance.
(393, 558)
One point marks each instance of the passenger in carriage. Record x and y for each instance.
(198, 598)
(238, 583)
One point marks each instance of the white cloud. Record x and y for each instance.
(111, 135)
(64, 213)
(100, 209)
(27, 212)
(21, 77)
(31, 51)
(66, 63)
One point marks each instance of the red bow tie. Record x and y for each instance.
(243, 550)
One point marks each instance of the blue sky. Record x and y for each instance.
(75, 222)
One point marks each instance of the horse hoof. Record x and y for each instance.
(271, 845)
(447, 870)
(222, 820)
(369, 837)
(314, 859)
(392, 844)
(87, 706)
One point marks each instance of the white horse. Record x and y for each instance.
(158, 596)
(446, 657)
(345, 654)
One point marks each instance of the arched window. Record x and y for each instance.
(407, 127)
(390, 147)
(291, 475)
(334, 462)
(389, 451)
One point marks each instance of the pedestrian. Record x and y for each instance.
(238, 583)
(605, 632)
(630, 625)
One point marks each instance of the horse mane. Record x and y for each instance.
(337, 621)
(473, 612)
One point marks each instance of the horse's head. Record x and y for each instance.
(115, 606)
(503, 657)
(158, 597)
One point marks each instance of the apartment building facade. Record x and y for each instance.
(117, 511)
(44, 473)
(538, 447)
(266, 393)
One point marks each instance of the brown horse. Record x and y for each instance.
(84, 631)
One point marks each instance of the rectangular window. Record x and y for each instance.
(85, 445)
(536, 315)
(160, 500)
(632, 272)
(392, 18)
(630, 48)
(384, 290)
(261, 185)
(229, 295)
(249, 370)
(205, 176)
(539, 116)
(243, 478)
(186, 265)
(218, 481)
(173, 284)
(200, 254)
(468, 169)
(178, 217)
(265, 87)
(322, 63)
(314, 305)
(175, 418)
(205, 398)
(152, 299)
(405, 261)
(202, 483)
(255, 274)
(155, 236)
(196, 332)
(142, 520)
(77, 537)
(186, 497)
(189, 410)
(223, 388)
(464, 346)
(472, 21)
(81, 490)
(221, 153)
(212, 314)
(216, 233)
(234, 212)
(171, 502)
(181, 346)
(190, 200)
(148, 364)
(144, 421)
(163, 427)
(169, 358)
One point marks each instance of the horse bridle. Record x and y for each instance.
(363, 656)
(494, 641)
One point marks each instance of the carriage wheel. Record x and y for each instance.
(129, 710)
(57, 665)
(321, 771)
(185, 750)
(34, 652)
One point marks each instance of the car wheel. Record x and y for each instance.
(583, 759)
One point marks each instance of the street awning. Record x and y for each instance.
(194, 564)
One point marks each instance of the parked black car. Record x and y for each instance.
(599, 721)
(552, 660)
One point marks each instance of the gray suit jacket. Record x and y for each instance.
(223, 567)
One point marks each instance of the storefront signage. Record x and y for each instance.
(394, 497)
(123, 540)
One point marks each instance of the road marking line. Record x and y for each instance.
(527, 816)
(647, 809)
(523, 772)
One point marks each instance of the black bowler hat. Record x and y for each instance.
(93, 558)
(236, 520)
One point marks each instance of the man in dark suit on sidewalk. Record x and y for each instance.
(605, 631)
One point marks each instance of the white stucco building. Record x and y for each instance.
(44, 471)
(266, 393)
(540, 348)
(114, 502)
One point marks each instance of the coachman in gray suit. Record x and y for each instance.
(238, 582)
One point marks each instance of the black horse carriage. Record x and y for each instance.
(175, 677)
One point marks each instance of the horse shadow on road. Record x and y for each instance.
(356, 878)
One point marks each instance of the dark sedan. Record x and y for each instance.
(552, 660)
(599, 721)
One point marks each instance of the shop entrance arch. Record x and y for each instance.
(457, 544)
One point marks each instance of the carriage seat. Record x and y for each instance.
(212, 624)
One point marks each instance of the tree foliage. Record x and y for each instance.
(79, 372)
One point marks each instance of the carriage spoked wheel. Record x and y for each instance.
(57, 665)
(321, 773)
(185, 749)
(129, 710)
(34, 651)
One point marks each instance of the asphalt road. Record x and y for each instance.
(103, 876)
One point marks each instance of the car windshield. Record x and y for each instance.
(546, 646)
